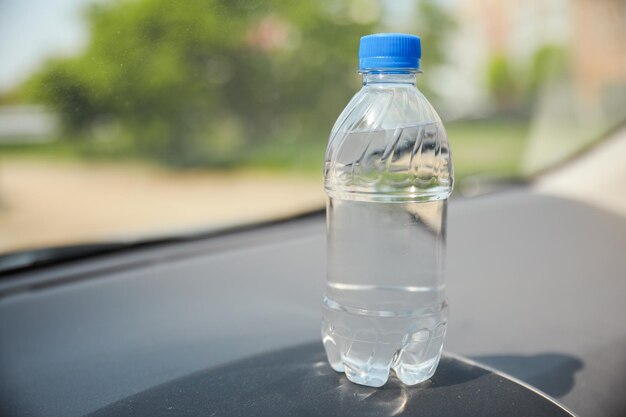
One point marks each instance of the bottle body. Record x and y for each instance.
(388, 175)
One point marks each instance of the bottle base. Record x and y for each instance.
(372, 376)
(357, 345)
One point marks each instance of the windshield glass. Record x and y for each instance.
(130, 120)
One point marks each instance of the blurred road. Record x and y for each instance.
(45, 203)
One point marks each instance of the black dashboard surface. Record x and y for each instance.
(536, 287)
(299, 382)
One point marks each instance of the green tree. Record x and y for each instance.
(502, 82)
(548, 61)
(198, 80)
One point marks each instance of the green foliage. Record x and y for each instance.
(502, 83)
(513, 86)
(548, 61)
(433, 24)
(202, 81)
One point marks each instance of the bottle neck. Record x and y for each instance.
(389, 79)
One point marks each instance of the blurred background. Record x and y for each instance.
(133, 119)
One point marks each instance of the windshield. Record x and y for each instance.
(140, 119)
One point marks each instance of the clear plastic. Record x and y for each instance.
(388, 174)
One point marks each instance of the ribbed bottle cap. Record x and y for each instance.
(390, 51)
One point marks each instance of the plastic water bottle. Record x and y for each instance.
(388, 174)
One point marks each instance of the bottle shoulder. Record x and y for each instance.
(389, 143)
(375, 108)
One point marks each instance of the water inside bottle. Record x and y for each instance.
(384, 307)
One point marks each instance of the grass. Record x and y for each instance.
(492, 148)
(47, 150)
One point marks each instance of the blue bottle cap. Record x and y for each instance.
(390, 51)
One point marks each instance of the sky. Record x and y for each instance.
(33, 30)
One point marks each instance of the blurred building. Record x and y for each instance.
(572, 106)
(598, 50)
